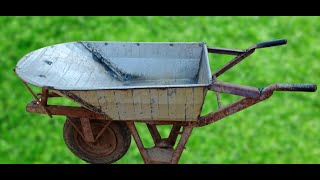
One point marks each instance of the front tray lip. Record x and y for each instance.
(27, 80)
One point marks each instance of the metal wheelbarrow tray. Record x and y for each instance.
(120, 83)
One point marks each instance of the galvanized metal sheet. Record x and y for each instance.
(93, 65)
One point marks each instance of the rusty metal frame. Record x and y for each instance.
(248, 101)
(86, 130)
(154, 133)
(160, 144)
(241, 54)
(86, 133)
(42, 103)
(252, 95)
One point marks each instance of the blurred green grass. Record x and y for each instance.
(283, 129)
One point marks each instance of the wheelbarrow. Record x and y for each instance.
(118, 84)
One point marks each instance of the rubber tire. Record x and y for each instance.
(121, 132)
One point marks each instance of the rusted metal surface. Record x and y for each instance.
(247, 101)
(210, 118)
(175, 131)
(73, 123)
(33, 94)
(110, 147)
(50, 94)
(69, 111)
(214, 79)
(235, 89)
(44, 97)
(226, 111)
(163, 151)
(181, 145)
(83, 103)
(53, 94)
(137, 139)
(86, 129)
(158, 155)
(233, 62)
(102, 130)
(37, 99)
(218, 99)
(241, 55)
(154, 133)
(158, 122)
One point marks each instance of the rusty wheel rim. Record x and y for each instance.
(104, 146)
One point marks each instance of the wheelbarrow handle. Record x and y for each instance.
(251, 96)
(278, 42)
(296, 87)
(241, 54)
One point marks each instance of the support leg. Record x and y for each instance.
(181, 145)
(163, 151)
(154, 133)
(174, 135)
(136, 137)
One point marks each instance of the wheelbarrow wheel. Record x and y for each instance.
(112, 145)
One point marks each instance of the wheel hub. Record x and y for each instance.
(103, 146)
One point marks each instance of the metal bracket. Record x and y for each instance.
(37, 99)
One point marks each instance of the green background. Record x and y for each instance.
(282, 129)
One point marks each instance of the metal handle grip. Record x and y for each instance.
(297, 87)
(271, 43)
